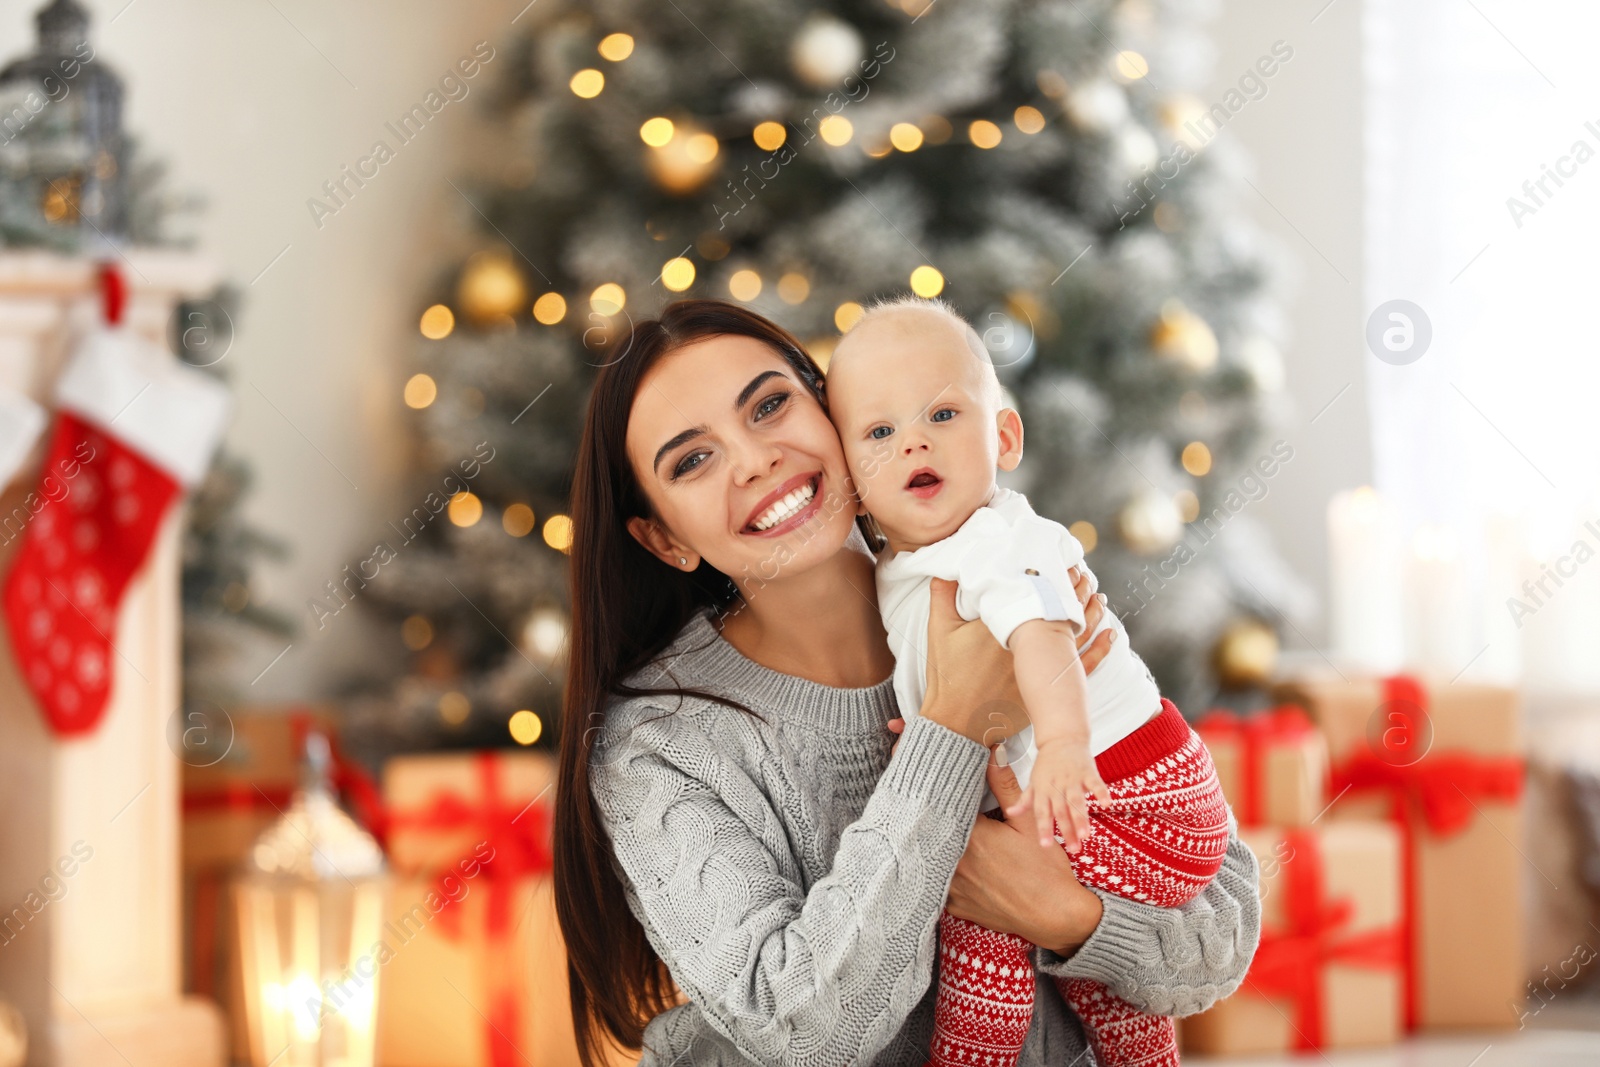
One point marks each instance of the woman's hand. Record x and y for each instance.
(944, 626)
(1006, 882)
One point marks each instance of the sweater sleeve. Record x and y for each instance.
(789, 975)
(1174, 961)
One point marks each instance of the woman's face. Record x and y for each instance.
(739, 462)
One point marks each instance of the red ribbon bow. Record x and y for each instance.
(1289, 964)
(1255, 734)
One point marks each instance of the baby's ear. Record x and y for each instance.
(1009, 425)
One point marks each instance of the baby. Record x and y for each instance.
(914, 396)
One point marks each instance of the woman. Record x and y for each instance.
(732, 819)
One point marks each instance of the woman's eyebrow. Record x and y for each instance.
(696, 431)
(686, 435)
(755, 383)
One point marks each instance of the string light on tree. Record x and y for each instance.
(1130, 66)
(437, 322)
(656, 132)
(517, 520)
(550, 309)
(905, 136)
(421, 390)
(1197, 459)
(616, 47)
(984, 134)
(608, 299)
(793, 288)
(558, 532)
(587, 83)
(769, 136)
(465, 509)
(927, 282)
(677, 274)
(836, 130)
(847, 314)
(1028, 119)
(744, 285)
(525, 727)
(937, 129)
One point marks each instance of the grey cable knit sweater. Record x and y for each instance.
(791, 873)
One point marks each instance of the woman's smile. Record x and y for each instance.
(787, 507)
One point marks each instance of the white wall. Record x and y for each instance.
(255, 104)
(1305, 137)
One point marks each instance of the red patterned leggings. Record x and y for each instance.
(1159, 841)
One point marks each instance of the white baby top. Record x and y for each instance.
(1011, 565)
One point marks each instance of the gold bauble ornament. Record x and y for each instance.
(1150, 522)
(491, 286)
(1184, 337)
(1246, 654)
(685, 162)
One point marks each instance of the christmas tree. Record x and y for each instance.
(1042, 165)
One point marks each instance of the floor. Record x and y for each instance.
(1562, 1035)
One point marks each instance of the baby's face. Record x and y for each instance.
(907, 397)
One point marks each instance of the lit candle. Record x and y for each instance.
(1438, 625)
(1364, 582)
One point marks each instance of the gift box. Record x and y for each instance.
(1273, 767)
(1442, 761)
(1328, 972)
(475, 971)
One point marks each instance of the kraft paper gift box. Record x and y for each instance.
(1273, 767)
(474, 971)
(1442, 760)
(1328, 972)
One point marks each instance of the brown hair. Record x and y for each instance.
(626, 607)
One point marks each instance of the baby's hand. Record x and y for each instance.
(1063, 775)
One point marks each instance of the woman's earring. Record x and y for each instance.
(682, 562)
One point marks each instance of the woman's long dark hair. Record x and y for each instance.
(627, 605)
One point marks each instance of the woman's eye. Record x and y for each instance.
(771, 404)
(943, 411)
(684, 467)
(876, 435)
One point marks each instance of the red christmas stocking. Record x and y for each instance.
(134, 430)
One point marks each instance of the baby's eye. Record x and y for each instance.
(943, 411)
(876, 436)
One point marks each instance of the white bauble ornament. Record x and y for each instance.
(545, 633)
(1137, 149)
(825, 52)
(1150, 522)
(1264, 362)
(1097, 105)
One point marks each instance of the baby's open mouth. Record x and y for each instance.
(923, 478)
